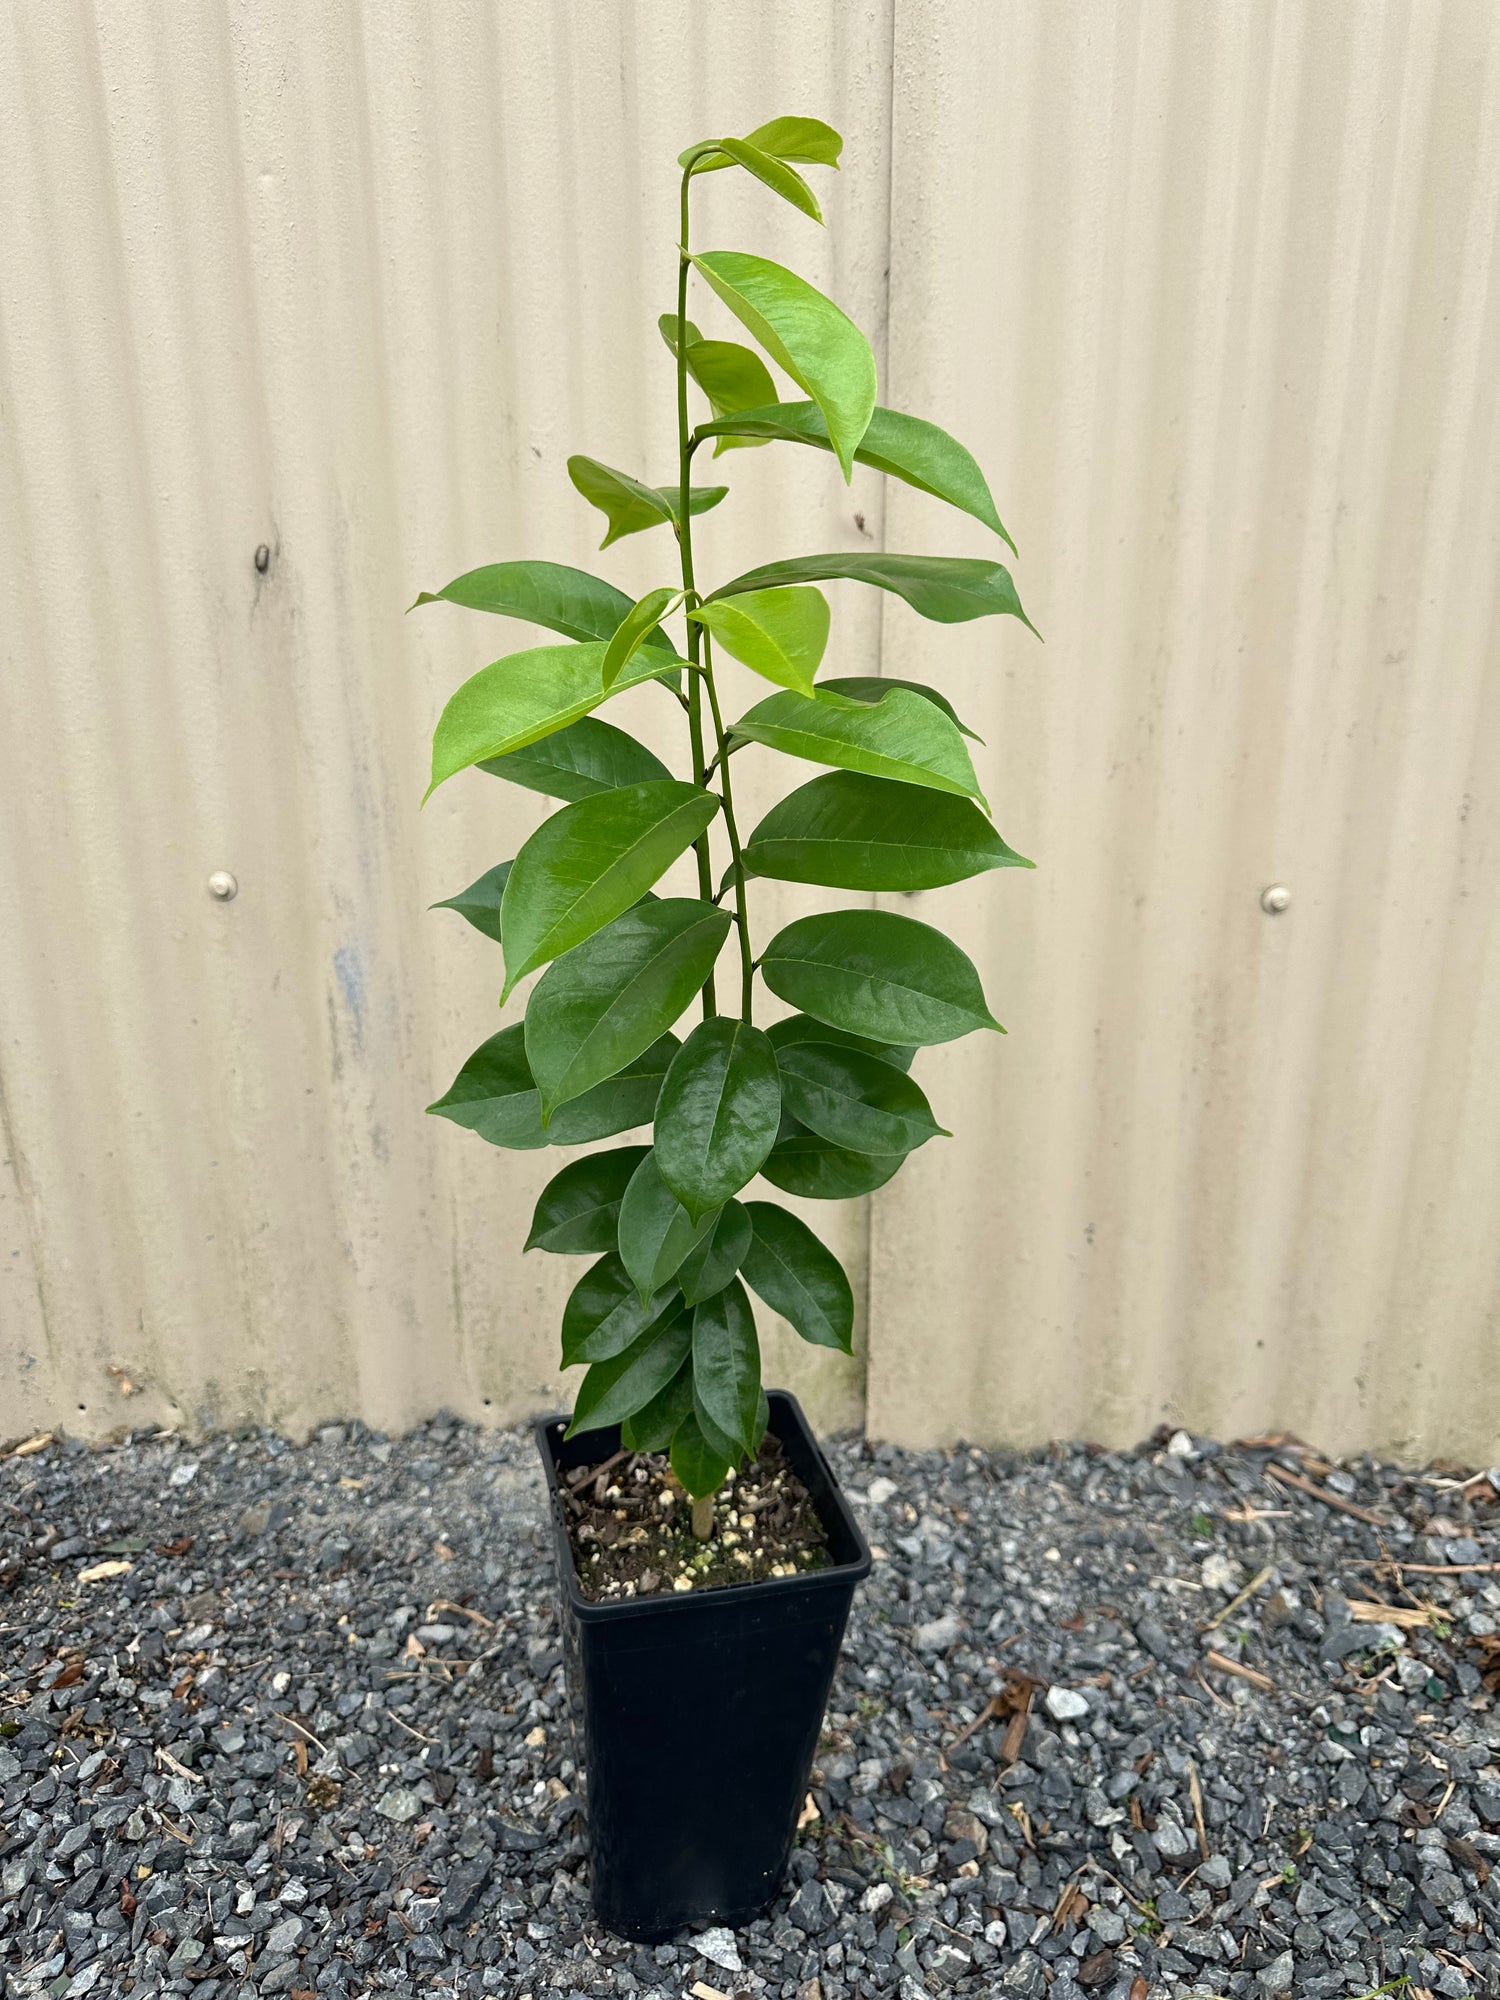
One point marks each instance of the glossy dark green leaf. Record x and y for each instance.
(640, 623)
(592, 861)
(799, 1277)
(717, 1114)
(803, 1164)
(652, 1428)
(526, 696)
(722, 1446)
(495, 1095)
(588, 756)
(805, 333)
(655, 1231)
(855, 1100)
(615, 1389)
(909, 448)
(627, 504)
(732, 377)
(780, 634)
(870, 688)
(949, 589)
(775, 173)
(803, 1028)
(604, 1003)
(605, 1314)
(726, 1363)
(480, 902)
(578, 1211)
(902, 737)
(848, 831)
(699, 1465)
(807, 140)
(877, 974)
(714, 1259)
(565, 600)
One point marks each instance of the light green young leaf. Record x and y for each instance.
(656, 1233)
(565, 600)
(615, 1389)
(699, 1465)
(604, 1003)
(605, 1314)
(526, 696)
(855, 1100)
(775, 173)
(948, 589)
(805, 333)
(799, 1277)
(904, 447)
(726, 1363)
(588, 756)
(870, 688)
(627, 504)
(495, 1095)
(714, 1259)
(780, 634)
(903, 736)
(731, 376)
(589, 863)
(718, 1112)
(578, 1211)
(848, 831)
(807, 140)
(639, 624)
(875, 973)
(480, 902)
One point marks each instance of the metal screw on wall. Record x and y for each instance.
(1275, 899)
(222, 886)
(263, 558)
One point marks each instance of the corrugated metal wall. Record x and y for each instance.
(1213, 293)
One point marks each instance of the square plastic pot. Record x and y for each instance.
(698, 1713)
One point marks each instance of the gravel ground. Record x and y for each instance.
(290, 1720)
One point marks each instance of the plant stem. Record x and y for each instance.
(737, 864)
(703, 1518)
(685, 545)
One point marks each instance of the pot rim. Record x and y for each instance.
(842, 1575)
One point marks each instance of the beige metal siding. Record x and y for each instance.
(1212, 291)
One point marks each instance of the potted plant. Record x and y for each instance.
(707, 1558)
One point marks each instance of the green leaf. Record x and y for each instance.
(718, 1112)
(872, 688)
(805, 333)
(638, 625)
(565, 600)
(803, 1028)
(799, 1277)
(588, 756)
(803, 1164)
(700, 1466)
(775, 173)
(605, 1314)
(578, 1211)
(805, 139)
(615, 1389)
(604, 1003)
(722, 1447)
(480, 902)
(726, 1363)
(714, 1259)
(495, 1095)
(877, 974)
(855, 1100)
(901, 737)
(906, 447)
(656, 1233)
(627, 504)
(949, 589)
(592, 861)
(652, 1428)
(848, 831)
(526, 696)
(731, 376)
(781, 634)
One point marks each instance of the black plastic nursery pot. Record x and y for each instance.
(698, 1713)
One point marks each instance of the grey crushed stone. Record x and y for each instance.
(323, 1748)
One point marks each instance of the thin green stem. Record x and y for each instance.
(685, 545)
(737, 861)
